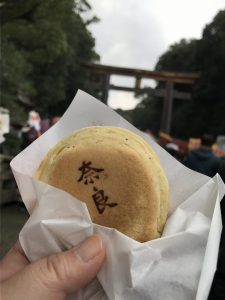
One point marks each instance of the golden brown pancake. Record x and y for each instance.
(117, 174)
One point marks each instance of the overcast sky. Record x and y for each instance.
(134, 33)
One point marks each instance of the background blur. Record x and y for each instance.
(49, 49)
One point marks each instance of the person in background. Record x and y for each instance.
(54, 120)
(222, 169)
(34, 128)
(174, 150)
(203, 160)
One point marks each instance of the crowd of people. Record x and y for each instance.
(35, 127)
(202, 155)
(18, 137)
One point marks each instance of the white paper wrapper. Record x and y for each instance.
(179, 265)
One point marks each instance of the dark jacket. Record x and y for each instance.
(217, 291)
(203, 161)
(222, 169)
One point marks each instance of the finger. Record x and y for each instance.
(73, 269)
(60, 274)
(14, 261)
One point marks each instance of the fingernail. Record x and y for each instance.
(90, 248)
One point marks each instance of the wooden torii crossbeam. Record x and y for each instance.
(170, 78)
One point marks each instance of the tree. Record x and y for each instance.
(42, 46)
(210, 91)
(205, 113)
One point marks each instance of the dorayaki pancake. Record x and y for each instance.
(116, 173)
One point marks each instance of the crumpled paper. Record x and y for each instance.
(179, 265)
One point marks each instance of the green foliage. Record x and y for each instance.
(205, 113)
(14, 78)
(210, 92)
(181, 57)
(43, 43)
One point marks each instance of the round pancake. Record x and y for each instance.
(117, 174)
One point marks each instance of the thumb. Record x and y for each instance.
(57, 275)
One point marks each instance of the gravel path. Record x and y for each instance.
(12, 218)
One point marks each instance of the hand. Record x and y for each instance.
(53, 277)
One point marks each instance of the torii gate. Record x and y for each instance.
(170, 78)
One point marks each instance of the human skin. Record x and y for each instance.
(52, 277)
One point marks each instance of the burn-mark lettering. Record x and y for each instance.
(89, 173)
(100, 200)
